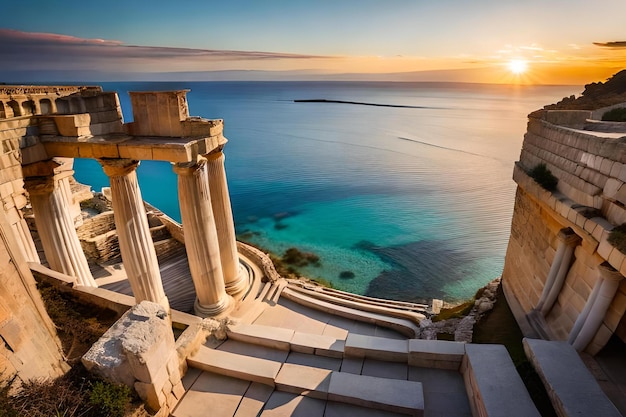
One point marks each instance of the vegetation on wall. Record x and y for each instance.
(615, 115)
(617, 238)
(77, 393)
(543, 176)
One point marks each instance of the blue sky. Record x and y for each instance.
(472, 40)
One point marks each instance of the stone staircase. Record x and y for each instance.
(384, 394)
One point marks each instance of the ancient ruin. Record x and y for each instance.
(208, 325)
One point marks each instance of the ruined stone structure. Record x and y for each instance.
(260, 344)
(42, 129)
(562, 277)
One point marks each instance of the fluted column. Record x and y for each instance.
(591, 318)
(131, 223)
(235, 277)
(56, 229)
(201, 241)
(558, 271)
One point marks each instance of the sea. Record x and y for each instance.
(403, 190)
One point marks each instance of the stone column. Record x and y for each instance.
(131, 223)
(235, 277)
(201, 241)
(559, 269)
(56, 229)
(601, 299)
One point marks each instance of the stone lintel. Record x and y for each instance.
(170, 149)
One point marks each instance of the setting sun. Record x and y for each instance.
(518, 66)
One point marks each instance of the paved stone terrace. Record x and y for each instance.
(217, 395)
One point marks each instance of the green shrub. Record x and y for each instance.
(110, 399)
(617, 238)
(544, 177)
(615, 115)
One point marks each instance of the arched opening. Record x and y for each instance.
(15, 110)
(63, 107)
(46, 106)
(28, 107)
(3, 114)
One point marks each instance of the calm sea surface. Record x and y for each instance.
(415, 201)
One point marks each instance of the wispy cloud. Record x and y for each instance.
(612, 45)
(49, 51)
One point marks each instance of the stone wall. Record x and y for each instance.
(590, 199)
(29, 348)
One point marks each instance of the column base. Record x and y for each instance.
(238, 287)
(224, 306)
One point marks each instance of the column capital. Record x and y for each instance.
(609, 273)
(39, 185)
(568, 236)
(189, 168)
(215, 154)
(118, 167)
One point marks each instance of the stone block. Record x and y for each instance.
(571, 387)
(317, 344)
(153, 398)
(440, 354)
(304, 380)
(269, 336)
(234, 365)
(380, 348)
(178, 390)
(493, 385)
(137, 346)
(406, 397)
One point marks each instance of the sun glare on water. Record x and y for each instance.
(518, 66)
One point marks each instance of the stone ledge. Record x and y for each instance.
(440, 354)
(493, 385)
(398, 396)
(380, 348)
(304, 380)
(234, 365)
(572, 388)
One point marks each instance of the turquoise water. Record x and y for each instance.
(415, 201)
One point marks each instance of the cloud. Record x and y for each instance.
(612, 45)
(49, 51)
(49, 38)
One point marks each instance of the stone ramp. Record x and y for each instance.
(398, 396)
(572, 388)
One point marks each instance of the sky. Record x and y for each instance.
(486, 41)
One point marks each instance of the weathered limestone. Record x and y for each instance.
(558, 271)
(30, 348)
(591, 317)
(234, 276)
(48, 197)
(136, 246)
(139, 351)
(571, 387)
(493, 385)
(201, 239)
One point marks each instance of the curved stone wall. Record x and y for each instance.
(589, 201)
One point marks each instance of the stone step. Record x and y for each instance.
(360, 303)
(398, 396)
(286, 339)
(571, 387)
(403, 326)
(493, 385)
(237, 366)
(406, 397)
(380, 348)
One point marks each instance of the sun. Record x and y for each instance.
(518, 66)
